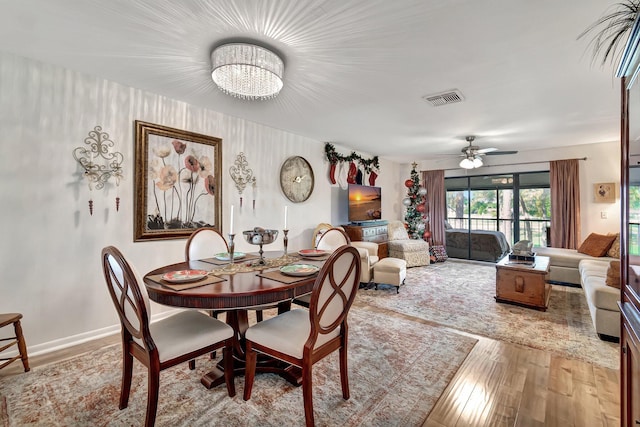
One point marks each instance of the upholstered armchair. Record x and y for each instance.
(368, 250)
(414, 252)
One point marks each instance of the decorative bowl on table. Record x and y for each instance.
(260, 236)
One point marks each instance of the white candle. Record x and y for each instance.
(231, 221)
(285, 217)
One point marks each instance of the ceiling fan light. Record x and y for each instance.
(466, 163)
(477, 162)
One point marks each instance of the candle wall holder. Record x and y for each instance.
(242, 175)
(100, 162)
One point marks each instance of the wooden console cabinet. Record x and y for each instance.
(369, 233)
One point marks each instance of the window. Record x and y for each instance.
(634, 210)
(487, 203)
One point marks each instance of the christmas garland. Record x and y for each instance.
(334, 157)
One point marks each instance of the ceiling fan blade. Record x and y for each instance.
(501, 152)
(486, 150)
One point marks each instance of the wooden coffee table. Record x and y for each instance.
(522, 284)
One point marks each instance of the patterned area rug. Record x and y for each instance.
(460, 295)
(397, 370)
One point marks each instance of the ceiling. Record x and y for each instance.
(355, 70)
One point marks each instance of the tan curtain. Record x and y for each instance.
(433, 181)
(565, 203)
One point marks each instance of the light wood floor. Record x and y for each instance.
(499, 384)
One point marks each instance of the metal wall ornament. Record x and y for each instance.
(242, 175)
(100, 162)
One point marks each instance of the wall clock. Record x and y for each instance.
(296, 179)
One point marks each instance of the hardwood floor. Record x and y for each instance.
(502, 384)
(499, 384)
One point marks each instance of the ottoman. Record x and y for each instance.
(390, 271)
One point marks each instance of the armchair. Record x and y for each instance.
(332, 238)
(414, 252)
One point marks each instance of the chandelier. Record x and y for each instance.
(471, 162)
(247, 71)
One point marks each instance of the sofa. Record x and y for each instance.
(486, 245)
(574, 267)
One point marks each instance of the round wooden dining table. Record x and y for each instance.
(236, 294)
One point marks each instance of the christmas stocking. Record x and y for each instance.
(353, 170)
(332, 173)
(372, 178)
(359, 177)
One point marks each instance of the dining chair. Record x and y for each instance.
(7, 319)
(159, 345)
(303, 337)
(206, 242)
(331, 239)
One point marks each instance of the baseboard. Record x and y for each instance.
(70, 341)
(571, 285)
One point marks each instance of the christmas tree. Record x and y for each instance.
(416, 215)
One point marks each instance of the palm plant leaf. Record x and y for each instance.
(611, 30)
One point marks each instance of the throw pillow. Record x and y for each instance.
(614, 250)
(438, 253)
(613, 274)
(596, 245)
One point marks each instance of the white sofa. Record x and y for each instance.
(568, 266)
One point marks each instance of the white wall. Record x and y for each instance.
(602, 164)
(50, 245)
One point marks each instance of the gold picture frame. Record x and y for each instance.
(604, 192)
(178, 182)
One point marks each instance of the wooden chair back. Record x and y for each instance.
(332, 239)
(205, 243)
(129, 298)
(333, 293)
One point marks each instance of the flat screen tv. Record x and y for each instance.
(365, 203)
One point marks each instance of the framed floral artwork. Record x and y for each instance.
(178, 182)
(604, 192)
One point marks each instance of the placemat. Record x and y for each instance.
(209, 280)
(279, 277)
(216, 261)
(315, 258)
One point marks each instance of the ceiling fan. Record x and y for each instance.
(472, 154)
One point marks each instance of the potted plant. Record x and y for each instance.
(611, 30)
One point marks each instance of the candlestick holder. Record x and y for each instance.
(231, 267)
(286, 256)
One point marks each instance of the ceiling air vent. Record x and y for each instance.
(444, 98)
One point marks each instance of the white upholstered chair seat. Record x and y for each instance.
(287, 333)
(185, 332)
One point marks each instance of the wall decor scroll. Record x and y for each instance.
(178, 182)
(242, 175)
(100, 162)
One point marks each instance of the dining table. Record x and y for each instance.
(237, 288)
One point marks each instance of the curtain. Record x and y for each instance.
(565, 203)
(433, 181)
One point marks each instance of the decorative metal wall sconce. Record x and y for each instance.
(100, 162)
(242, 175)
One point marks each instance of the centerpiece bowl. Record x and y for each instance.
(260, 236)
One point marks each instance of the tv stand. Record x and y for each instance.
(370, 231)
(370, 223)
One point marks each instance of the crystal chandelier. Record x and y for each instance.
(247, 71)
(471, 162)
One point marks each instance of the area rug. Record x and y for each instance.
(397, 370)
(460, 295)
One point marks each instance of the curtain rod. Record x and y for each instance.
(515, 164)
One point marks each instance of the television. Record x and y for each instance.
(365, 203)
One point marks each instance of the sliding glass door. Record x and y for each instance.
(487, 203)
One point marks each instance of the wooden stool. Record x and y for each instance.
(7, 319)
